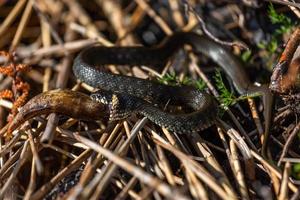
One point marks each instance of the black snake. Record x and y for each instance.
(124, 95)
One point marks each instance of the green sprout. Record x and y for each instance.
(296, 171)
(285, 25)
(173, 79)
(226, 97)
(246, 56)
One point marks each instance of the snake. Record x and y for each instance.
(121, 95)
(125, 94)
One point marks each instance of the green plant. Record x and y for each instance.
(246, 56)
(168, 78)
(285, 25)
(226, 97)
(173, 79)
(296, 171)
(200, 84)
(280, 19)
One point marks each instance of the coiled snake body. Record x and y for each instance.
(124, 94)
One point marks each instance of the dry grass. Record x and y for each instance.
(135, 159)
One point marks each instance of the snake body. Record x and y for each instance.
(124, 94)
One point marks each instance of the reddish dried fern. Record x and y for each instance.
(20, 89)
